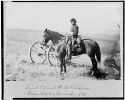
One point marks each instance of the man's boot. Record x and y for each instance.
(73, 45)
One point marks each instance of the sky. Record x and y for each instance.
(92, 17)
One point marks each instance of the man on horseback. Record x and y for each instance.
(74, 33)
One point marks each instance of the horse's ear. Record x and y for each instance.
(46, 29)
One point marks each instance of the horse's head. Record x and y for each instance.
(46, 36)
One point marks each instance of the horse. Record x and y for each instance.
(87, 46)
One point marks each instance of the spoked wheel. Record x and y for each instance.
(38, 53)
(52, 56)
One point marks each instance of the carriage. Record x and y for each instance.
(40, 52)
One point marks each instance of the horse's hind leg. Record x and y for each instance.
(94, 63)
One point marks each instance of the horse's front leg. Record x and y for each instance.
(64, 64)
(61, 68)
(61, 64)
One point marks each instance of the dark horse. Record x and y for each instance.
(60, 42)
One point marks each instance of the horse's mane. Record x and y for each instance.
(55, 35)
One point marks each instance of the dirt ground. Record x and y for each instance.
(20, 68)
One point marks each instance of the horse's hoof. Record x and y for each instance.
(55, 65)
(62, 78)
(92, 73)
(68, 61)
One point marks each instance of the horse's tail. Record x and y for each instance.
(98, 54)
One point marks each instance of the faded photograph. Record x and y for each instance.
(62, 41)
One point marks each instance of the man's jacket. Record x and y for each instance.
(74, 29)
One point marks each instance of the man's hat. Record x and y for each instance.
(73, 20)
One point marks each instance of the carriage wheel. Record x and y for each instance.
(52, 56)
(38, 53)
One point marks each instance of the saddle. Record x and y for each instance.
(76, 42)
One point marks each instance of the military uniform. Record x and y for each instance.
(74, 32)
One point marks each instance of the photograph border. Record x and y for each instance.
(2, 55)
